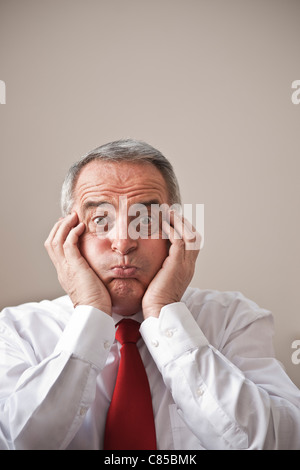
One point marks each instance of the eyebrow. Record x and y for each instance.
(148, 203)
(90, 204)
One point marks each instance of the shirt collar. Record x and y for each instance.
(137, 317)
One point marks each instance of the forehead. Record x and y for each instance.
(109, 180)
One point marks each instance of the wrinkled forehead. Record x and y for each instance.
(102, 180)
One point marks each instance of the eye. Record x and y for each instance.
(147, 220)
(101, 221)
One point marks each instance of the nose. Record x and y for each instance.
(123, 246)
(121, 242)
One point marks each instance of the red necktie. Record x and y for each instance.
(130, 421)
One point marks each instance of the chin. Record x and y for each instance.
(126, 295)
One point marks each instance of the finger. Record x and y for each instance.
(188, 232)
(62, 232)
(183, 227)
(169, 228)
(189, 235)
(49, 242)
(55, 239)
(53, 232)
(177, 244)
(70, 246)
(173, 221)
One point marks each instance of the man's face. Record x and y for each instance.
(126, 265)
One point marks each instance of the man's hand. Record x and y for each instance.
(75, 275)
(171, 281)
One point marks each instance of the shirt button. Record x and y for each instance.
(199, 391)
(155, 343)
(106, 344)
(82, 411)
(169, 333)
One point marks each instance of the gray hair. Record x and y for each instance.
(121, 150)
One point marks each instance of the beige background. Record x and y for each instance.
(207, 82)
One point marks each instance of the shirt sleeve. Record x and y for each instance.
(241, 400)
(42, 405)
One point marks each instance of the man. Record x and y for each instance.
(208, 355)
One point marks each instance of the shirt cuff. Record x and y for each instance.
(173, 334)
(89, 335)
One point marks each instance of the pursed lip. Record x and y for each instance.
(124, 271)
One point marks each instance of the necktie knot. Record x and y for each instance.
(127, 331)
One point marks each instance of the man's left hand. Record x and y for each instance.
(171, 281)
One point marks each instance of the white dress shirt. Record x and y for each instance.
(214, 380)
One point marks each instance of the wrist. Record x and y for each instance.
(98, 305)
(153, 311)
(104, 309)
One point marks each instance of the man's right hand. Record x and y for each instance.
(75, 275)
